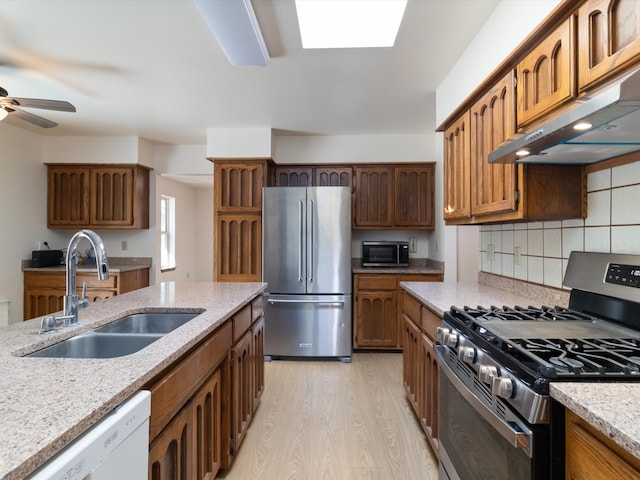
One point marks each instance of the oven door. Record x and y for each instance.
(476, 443)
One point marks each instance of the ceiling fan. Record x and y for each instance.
(9, 105)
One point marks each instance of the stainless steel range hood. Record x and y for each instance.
(614, 118)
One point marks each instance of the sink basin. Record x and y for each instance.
(152, 322)
(98, 345)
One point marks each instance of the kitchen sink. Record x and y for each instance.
(152, 322)
(121, 337)
(98, 345)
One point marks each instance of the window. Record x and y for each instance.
(167, 233)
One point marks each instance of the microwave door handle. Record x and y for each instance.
(300, 239)
(520, 438)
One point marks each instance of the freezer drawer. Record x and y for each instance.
(307, 326)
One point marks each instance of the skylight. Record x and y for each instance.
(349, 23)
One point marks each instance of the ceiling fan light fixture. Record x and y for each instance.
(234, 24)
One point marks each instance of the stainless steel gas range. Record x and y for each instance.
(497, 420)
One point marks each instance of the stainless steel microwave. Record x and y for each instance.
(385, 254)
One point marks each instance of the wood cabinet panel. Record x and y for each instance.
(238, 185)
(68, 196)
(428, 403)
(241, 322)
(170, 454)
(546, 75)
(608, 40)
(414, 197)
(242, 393)
(337, 176)
(238, 248)
(457, 176)
(374, 196)
(412, 362)
(376, 325)
(206, 411)
(98, 195)
(297, 176)
(591, 455)
(257, 354)
(493, 186)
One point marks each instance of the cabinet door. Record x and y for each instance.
(42, 301)
(376, 322)
(333, 176)
(373, 197)
(238, 248)
(68, 196)
(546, 75)
(112, 192)
(293, 176)
(206, 410)
(414, 197)
(411, 362)
(257, 354)
(493, 186)
(238, 186)
(609, 39)
(171, 453)
(457, 179)
(241, 391)
(429, 399)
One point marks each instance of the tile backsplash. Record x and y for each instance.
(538, 252)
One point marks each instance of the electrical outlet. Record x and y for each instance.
(413, 244)
(491, 254)
(517, 255)
(124, 245)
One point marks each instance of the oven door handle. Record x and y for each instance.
(519, 438)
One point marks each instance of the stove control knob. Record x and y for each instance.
(487, 373)
(441, 334)
(502, 387)
(467, 355)
(451, 340)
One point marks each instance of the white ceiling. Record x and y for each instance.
(151, 68)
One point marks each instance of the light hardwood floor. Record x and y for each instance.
(327, 420)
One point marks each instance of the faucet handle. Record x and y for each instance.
(83, 302)
(48, 324)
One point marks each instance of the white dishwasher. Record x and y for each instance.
(117, 447)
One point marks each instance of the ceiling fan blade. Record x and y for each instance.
(41, 103)
(31, 118)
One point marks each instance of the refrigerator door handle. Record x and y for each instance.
(301, 239)
(323, 302)
(311, 246)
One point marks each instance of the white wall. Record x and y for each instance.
(504, 30)
(23, 213)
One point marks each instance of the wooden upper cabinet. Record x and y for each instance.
(546, 75)
(312, 175)
(238, 185)
(374, 196)
(609, 39)
(98, 195)
(457, 177)
(238, 248)
(414, 196)
(493, 186)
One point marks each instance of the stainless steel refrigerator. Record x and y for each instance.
(306, 261)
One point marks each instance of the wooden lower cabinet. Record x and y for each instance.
(420, 371)
(377, 316)
(592, 455)
(202, 405)
(44, 290)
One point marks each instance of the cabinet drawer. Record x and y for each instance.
(257, 308)
(241, 323)
(174, 388)
(45, 280)
(377, 282)
(430, 321)
(94, 282)
(411, 308)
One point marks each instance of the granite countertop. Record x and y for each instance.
(609, 407)
(420, 266)
(45, 403)
(116, 265)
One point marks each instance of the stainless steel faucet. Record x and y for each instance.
(71, 301)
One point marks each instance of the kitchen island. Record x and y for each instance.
(610, 407)
(45, 403)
